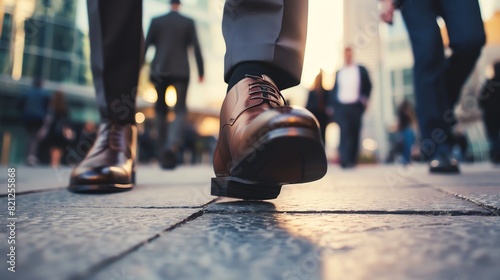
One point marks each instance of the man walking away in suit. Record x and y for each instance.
(349, 99)
(173, 35)
(439, 79)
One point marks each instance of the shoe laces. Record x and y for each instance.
(264, 90)
(115, 138)
(109, 136)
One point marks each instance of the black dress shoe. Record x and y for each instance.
(110, 164)
(347, 165)
(444, 165)
(168, 159)
(495, 159)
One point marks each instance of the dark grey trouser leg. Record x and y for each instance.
(271, 31)
(348, 118)
(116, 41)
(161, 112)
(176, 128)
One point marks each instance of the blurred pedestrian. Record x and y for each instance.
(33, 106)
(461, 144)
(86, 138)
(349, 100)
(316, 103)
(489, 100)
(56, 130)
(439, 79)
(172, 35)
(406, 134)
(146, 144)
(263, 143)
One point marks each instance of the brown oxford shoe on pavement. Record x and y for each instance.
(263, 143)
(109, 165)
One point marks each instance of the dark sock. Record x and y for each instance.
(255, 68)
(117, 120)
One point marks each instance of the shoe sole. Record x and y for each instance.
(444, 169)
(447, 170)
(102, 188)
(282, 156)
(244, 189)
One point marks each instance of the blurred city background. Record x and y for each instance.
(49, 39)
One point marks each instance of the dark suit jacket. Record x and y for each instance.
(172, 35)
(364, 89)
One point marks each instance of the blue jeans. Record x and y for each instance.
(438, 80)
(407, 138)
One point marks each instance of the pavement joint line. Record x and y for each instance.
(53, 189)
(361, 212)
(202, 206)
(127, 207)
(36, 191)
(94, 269)
(181, 184)
(495, 211)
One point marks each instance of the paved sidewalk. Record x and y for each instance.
(374, 222)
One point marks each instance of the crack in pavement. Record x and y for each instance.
(494, 210)
(94, 269)
(134, 207)
(19, 193)
(361, 212)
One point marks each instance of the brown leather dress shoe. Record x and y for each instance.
(264, 144)
(110, 164)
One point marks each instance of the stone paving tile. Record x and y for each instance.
(185, 187)
(56, 243)
(487, 195)
(370, 175)
(403, 247)
(331, 194)
(63, 234)
(477, 182)
(412, 198)
(216, 247)
(188, 195)
(194, 174)
(480, 174)
(41, 178)
(298, 246)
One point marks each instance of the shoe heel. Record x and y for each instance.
(133, 177)
(244, 189)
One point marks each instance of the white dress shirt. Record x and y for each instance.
(349, 83)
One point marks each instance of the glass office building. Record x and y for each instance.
(42, 39)
(49, 39)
